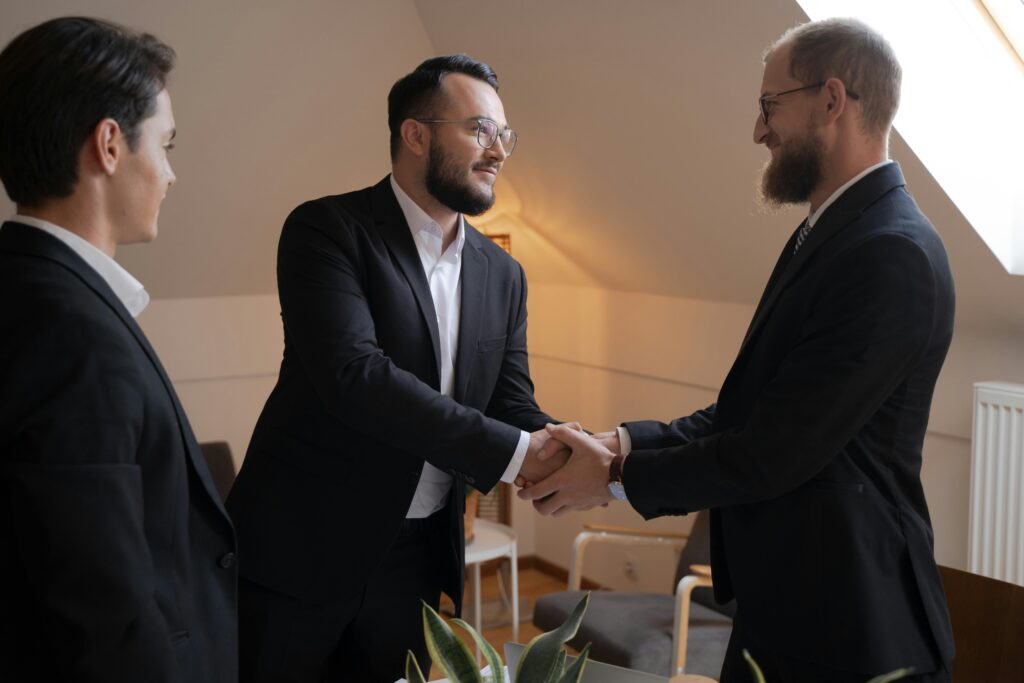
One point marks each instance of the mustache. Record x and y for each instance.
(487, 165)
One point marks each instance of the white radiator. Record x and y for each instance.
(997, 482)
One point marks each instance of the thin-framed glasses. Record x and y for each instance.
(764, 100)
(487, 132)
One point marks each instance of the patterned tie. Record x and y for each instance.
(805, 230)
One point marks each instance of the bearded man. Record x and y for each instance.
(404, 378)
(810, 459)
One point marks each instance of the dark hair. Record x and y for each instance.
(856, 54)
(415, 94)
(57, 81)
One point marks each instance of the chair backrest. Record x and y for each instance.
(698, 551)
(217, 455)
(988, 626)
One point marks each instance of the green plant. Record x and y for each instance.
(543, 660)
(884, 678)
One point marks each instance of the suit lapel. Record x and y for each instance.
(394, 229)
(846, 208)
(474, 289)
(55, 250)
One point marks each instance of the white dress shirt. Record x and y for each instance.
(129, 290)
(443, 271)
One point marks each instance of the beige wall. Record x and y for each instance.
(620, 356)
(599, 356)
(633, 215)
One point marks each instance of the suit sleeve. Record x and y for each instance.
(329, 324)
(73, 498)
(646, 434)
(870, 323)
(512, 400)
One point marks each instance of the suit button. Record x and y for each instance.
(470, 480)
(227, 560)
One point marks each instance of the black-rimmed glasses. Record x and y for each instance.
(487, 132)
(764, 100)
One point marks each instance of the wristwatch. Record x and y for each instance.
(615, 486)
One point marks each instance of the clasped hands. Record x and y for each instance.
(566, 469)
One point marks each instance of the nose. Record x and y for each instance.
(496, 152)
(171, 178)
(760, 130)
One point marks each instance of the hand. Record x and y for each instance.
(544, 455)
(610, 440)
(581, 484)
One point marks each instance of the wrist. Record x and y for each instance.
(615, 485)
(615, 469)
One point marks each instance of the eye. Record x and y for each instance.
(169, 146)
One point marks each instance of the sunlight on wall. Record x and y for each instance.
(543, 260)
(961, 108)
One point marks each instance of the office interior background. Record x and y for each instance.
(630, 201)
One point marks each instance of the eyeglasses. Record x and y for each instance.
(487, 132)
(764, 100)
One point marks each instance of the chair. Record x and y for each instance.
(657, 633)
(217, 455)
(988, 626)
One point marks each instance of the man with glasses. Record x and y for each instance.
(404, 379)
(810, 459)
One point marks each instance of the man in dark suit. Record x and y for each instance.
(810, 458)
(116, 556)
(404, 378)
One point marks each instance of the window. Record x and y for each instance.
(962, 103)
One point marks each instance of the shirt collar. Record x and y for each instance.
(813, 218)
(419, 221)
(129, 290)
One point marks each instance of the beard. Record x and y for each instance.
(448, 185)
(792, 175)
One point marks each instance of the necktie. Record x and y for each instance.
(805, 230)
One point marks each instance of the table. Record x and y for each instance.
(490, 541)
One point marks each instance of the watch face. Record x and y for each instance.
(617, 489)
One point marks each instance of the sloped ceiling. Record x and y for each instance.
(636, 169)
(636, 156)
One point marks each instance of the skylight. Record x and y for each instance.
(1009, 18)
(962, 105)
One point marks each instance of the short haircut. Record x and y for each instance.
(856, 54)
(417, 93)
(57, 81)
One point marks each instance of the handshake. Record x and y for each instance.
(566, 469)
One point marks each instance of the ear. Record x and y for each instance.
(106, 145)
(835, 102)
(414, 137)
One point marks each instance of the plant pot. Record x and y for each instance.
(469, 516)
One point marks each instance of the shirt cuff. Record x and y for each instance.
(625, 442)
(516, 463)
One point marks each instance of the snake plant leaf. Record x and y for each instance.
(892, 676)
(556, 671)
(575, 671)
(758, 674)
(412, 669)
(490, 654)
(448, 651)
(540, 657)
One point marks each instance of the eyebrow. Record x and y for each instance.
(174, 131)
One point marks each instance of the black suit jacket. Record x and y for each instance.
(116, 555)
(811, 457)
(337, 453)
